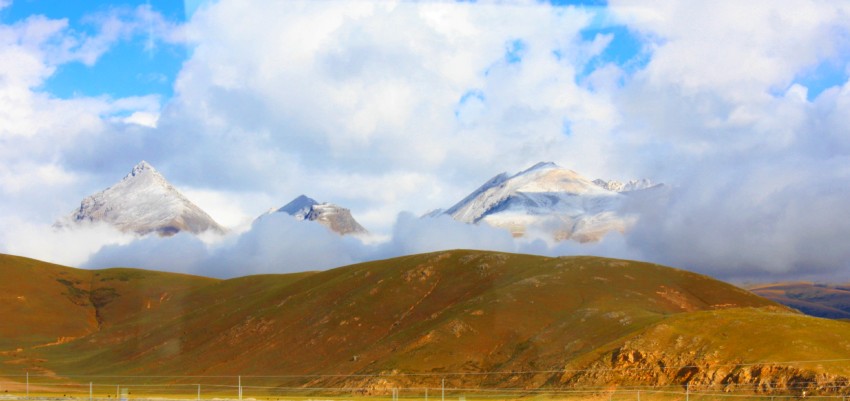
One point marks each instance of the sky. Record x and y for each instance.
(393, 109)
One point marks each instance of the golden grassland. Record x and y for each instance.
(534, 322)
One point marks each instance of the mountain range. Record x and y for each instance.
(816, 299)
(531, 322)
(546, 198)
(144, 202)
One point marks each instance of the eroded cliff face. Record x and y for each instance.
(694, 363)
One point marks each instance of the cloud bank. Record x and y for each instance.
(388, 108)
(278, 243)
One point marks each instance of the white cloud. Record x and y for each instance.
(360, 104)
(759, 182)
(142, 118)
(41, 134)
(70, 247)
(360, 97)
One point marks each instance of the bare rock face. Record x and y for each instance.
(143, 202)
(692, 364)
(338, 219)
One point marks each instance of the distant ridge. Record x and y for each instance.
(142, 202)
(821, 300)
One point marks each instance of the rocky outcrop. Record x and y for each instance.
(697, 369)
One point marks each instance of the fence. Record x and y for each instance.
(185, 388)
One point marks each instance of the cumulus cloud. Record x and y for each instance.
(278, 243)
(42, 135)
(337, 92)
(389, 107)
(759, 176)
(70, 247)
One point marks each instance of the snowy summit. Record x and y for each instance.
(143, 202)
(336, 218)
(550, 199)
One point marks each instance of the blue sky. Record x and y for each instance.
(393, 107)
(135, 66)
(141, 65)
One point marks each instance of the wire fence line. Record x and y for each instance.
(42, 391)
(339, 387)
(447, 374)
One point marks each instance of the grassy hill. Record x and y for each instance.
(431, 316)
(822, 300)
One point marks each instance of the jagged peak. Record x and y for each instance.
(298, 204)
(144, 168)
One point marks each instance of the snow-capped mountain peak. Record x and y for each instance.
(140, 168)
(143, 202)
(537, 187)
(547, 197)
(336, 218)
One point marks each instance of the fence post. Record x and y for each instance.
(28, 385)
(443, 386)
(240, 388)
(687, 391)
(91, 392)
(199, 392)
(426, 393)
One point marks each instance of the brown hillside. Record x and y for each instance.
(44, 305)
(425, 316)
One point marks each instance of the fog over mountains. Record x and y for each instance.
(544, 200)
(545, 209)
(392, 110)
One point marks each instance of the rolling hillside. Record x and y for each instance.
(428, 316)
